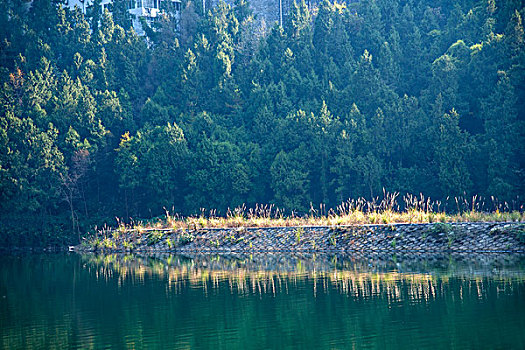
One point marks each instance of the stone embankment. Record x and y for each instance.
(432, 237)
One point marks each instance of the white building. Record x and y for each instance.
(150, 10)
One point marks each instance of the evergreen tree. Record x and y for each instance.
(503, 141)
(212, 110)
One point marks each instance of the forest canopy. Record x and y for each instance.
(216, 110)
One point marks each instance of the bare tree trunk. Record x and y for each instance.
(72, 210)
(281, 13)
(126, 201)
(71, 185)
(84, 200)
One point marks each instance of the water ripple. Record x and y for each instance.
(261, 302)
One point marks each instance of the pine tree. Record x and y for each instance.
(503, 141)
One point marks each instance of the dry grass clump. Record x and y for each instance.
(414, 209)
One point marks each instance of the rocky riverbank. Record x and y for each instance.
(432, 237)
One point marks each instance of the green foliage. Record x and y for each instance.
(440, 227)
(214, 111)
(298, 232)
(153, 162)
(170, 243)
(290, 180)
(333, 240)
(107, 243)
(520, 234)
(448, 230)
(155, 237)
(186, 237)
(128, 245)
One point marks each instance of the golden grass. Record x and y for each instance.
(353, 212)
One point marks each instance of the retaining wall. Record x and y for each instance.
(434, 237)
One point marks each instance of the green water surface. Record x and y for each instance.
(264, 301)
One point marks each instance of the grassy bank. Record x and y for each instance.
(353, 212)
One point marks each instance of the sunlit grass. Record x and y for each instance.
(413, 209)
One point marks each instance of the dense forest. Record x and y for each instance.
(215, 110)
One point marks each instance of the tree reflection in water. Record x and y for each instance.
(261, 301)
(395, 278)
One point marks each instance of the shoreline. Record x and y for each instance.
(396, 237)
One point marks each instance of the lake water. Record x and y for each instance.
(262, 301)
